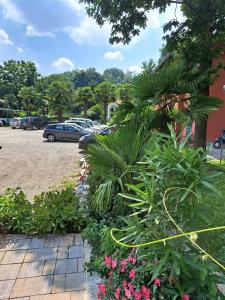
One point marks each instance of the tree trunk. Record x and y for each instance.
(200, 133)
(105, 104)
(60, 116)
(85, 107)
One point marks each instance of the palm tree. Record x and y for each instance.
(105, 93)
(59, 96)
(30, 98)
(84, 94)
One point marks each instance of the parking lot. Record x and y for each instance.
(28, 161)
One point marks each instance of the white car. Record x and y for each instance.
(93, 125)
(15, 123)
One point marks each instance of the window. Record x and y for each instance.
(70, 128)
(59, 127)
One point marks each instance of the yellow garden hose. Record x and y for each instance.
(183, 234)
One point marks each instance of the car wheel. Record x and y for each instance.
(13, 127)
(217, 145)
(51, 138)
(24, 128)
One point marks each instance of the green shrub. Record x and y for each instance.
(51, 212)
(15, 212)
(57, 212)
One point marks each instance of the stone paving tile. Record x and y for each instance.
(41, 254)
(64, 266)
(6, 288)
(77, 295)
(58, 296)
(37, 243)
(74, 281)
(6, 245)
(75, 251)
(9, 271)
(59, 241)
(13, 257)
(31, 269)
(49, 267)
(59, 283)
(80, 265)
(21, 298)
(63, 252)
(1, 255)
(32, 286)
(22, 244)
(78, 240)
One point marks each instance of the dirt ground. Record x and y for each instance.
(28, 161)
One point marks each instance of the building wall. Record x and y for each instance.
(216, 121)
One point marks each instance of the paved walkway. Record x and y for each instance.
(42, 268)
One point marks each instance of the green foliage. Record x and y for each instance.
(89, 77)
(114, 75)
(84, 95)
(51, 212)
(30, 98)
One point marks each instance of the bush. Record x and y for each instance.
(51, 212)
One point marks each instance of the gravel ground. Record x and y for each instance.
(28, 161)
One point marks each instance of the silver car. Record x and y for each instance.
(15, 123)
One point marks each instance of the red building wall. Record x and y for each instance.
(216, 121)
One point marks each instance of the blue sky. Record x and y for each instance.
(58, 36)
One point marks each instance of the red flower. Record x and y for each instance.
(114, 264)
(145, 292)
(108, 261)
(131, 287)
(102, 288)
(134, 260)
(117, 293)
(132, 274)
(98, 296)
(123, 263)
(186, 297)
(157, 282)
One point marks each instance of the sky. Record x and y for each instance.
(59, 36)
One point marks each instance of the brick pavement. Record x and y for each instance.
(42, 268)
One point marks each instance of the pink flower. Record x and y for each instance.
(134, 260)
(124, 284)
(123, 263)
(102, 288)
(145, 292)
(130, 258)
(114, 264)
(98, 296)
(127, 293)
(131, 287)
(108, 261)
(186, 297)
(137, 295)
(117, 293)
(157, 282)
(132, 274)
(110, 277)
(122, 269)
(124, 298)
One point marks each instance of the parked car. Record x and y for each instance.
(90, 138)
(95, 126)
(219, 141)
(1, 123)
(64, 131)
(15, 123)
(33, 123)
(80, 123)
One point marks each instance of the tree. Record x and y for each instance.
(16, 74)
(11, 101)
(124, 92)
(113, 75)
(59, 95)
(30, 98)
(89, 77)
(84, 94)
(105, 93)
(149, 66)
(199, 40)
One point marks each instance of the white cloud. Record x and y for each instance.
(19, 49)
(31, 31)
(11, 11)
(113, 55)
(89, 32)
(135, 69)
(4, 38)
(63, 64)
(36, 64)
(75, 5)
